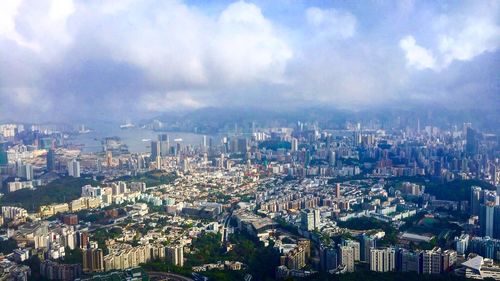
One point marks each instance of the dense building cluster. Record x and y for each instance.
(327, 201)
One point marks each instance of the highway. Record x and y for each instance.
(226, 224)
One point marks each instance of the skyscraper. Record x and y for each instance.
(109, 158)
(331, 158)
(471, 142)
(25, 171)
(74, 168)
(489, 220)
(461, 243)
(498, 194)
(204, 144)
(50, 160)
(294, 144)
(475, 200)
(158, 162)
(242, 146)
(155, 150)
(164, 144)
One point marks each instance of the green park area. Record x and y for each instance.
(456, 190)
(152, 178)
(61, 190)
(370, 224)
(260, 261)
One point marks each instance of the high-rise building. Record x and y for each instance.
(158, 162)
(164, 144)
(242, 146)
(175, 255)
(109, 159)
(74, 168)
(355, 245)
(489, 220)
(82, 239)
(462, 243)
(437, 168)
(366, 243)
(294, 146)
(295, 258)
(408, 261)
(498, 192)
(382, 260)
(4, 160)
(55, 271)
(328, 258)
(91, 191)
(476, 198)
(306, 244)
(155, 150)
(346, 255)
(485, 246)
(471, 145)
(10, 212)
(25, 171)
(310, 219)
(431, 261)
(51, 160)
(449, 259)
(331, 158)
(93, 260)
(204, 144)
(337, 190)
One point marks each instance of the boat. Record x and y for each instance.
(127, 126)
(83, 130)
(179, 139)
(145, 140)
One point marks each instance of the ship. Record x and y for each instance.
(83, 130)
(178, 140)
(127, 125)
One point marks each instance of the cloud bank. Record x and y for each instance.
(72, 59)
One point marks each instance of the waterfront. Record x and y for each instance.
(137, 139)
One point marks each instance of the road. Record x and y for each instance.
(226, 224)
(155, 275)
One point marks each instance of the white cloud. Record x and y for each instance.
(417, 56)
(245, 46)
(456, 37)
(8, 13)
(473, 37)
(176, 44)
(331, 22)
(175, 55)
(171, 101)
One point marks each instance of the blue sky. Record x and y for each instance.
(63, 59)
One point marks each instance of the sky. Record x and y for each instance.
(72, 59)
